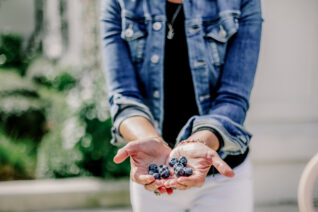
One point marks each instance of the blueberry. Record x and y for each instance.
(187, 171)
(183, 160)
(153, 167)
(156, 176)
(173, 161)
(179, 172)
(163, 168)
(165, 174)
(177, 165)
(151, 172)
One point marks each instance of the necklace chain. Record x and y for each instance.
(170, 34)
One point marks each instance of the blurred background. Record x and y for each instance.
(55, 125)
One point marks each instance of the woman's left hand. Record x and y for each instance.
(200, 158)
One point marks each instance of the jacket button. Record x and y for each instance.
(155, 58)
(156, 94)
(129, 33)
(157, 26)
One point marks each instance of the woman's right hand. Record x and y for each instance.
(142, 153)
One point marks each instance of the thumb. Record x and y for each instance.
(125, 152)
(221, 166)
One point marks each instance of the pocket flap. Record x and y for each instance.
(217, 33)
(133, 29)
(223, 30)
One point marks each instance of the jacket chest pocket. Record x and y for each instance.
(216, 42)
(134, 33)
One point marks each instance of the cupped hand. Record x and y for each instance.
(142, 153)
(200, 158)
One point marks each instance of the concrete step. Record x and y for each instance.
(64, 193)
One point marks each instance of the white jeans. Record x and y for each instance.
(218, 194)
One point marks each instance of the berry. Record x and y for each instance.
(183, 160)
(154, 168)
(151, 172)
(187, 171)
(179, 172)
(163, 168)
(173, 161)
(178, 165)
(165, 174)
(156, 176)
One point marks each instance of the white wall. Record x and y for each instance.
(284, 105)
(17, 16)
(286, 86)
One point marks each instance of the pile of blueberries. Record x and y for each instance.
(179, 167)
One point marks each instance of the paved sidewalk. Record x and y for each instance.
(277, 208)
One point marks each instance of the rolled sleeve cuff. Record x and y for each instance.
(124, 107)
(117, 138)
(235, 139)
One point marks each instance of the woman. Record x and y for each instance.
(179, 76)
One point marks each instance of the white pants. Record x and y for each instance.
(218, 194)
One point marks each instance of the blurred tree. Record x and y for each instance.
(69, 89)
(34, 44)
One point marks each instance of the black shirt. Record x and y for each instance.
(179, 97)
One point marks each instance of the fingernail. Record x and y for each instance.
(169, 191)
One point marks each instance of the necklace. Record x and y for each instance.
(170, 34)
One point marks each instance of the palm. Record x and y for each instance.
(153, 153)
(143, 153)
(198, 156)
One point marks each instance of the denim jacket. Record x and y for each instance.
(223, 38)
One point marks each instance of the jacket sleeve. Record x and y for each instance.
(228, 109)
(124, 96)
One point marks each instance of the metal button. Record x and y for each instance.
(155, 58)
(129, 33)
(157, 26)
(156, 94)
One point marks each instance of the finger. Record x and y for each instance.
(221, 166)
(169, 191)
(143, 179)
(151, 187)
(162, 190)
(154, 185)
(195, 180)
(180, 186)
(173, 183)
(125, 152)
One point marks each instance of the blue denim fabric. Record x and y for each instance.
(223, 42)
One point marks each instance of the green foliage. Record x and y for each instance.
(57, 161)
(54, 120)
(22, 112)
(98, 152)
(17, 158)
(11, 54)
(78, 143)
(44, 73)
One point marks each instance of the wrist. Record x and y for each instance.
(206, 137)
(159, 139)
